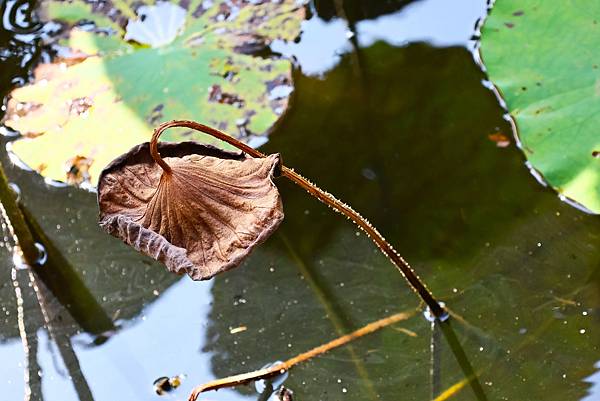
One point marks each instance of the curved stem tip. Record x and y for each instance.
(198, 127)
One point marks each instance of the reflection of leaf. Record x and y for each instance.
(202, 215)
(460, 209)
(543, 60)
(105, 93)
(356, 10)
(66, 285)
(116, 276)
(277, 369)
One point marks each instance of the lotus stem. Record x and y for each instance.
(388, 250)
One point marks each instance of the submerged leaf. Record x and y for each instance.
(134, 64)
(201, 217)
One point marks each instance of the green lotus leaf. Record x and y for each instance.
(121, 69)
(544, 60)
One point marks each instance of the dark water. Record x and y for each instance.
(402, 134)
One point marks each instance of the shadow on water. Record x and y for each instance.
(89, 281)
(81, 288)
(510, 259)
(409, 149)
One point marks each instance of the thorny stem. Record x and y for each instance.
(375, 236)
(321, 195)
(282, 367)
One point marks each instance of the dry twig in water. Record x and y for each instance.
(280, 368)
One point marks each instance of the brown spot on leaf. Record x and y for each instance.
(217, 95)
(156, 115)
(223, 13)
(79, 105)
(16, 110)
(596, 154)
(544, 109)
(199, 11)
(20, 109)
(203, 217)
(249, 43)
(509, 24)
(518, 13)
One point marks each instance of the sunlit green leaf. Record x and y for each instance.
(544, 59)
(129, 68)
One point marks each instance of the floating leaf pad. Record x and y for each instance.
(122, 69)
(544, 59)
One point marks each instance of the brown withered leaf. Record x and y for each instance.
(203, 217)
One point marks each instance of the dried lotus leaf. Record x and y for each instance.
(202, 217)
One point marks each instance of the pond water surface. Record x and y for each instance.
(397, 123)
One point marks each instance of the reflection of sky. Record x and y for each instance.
(438, 22)
(594, 390)
(321, 45)
(12, 359)
(165, 340)
(56, 384)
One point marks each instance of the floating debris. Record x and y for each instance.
(501, 140)
(165, 384)
(274, 374)
(284, 394)
(238, 329)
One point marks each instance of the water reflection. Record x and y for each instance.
(19, 44)
(165, 340)
(108, 280)
(53, 302)
(11, 369)
(594, 390)
(437, 22)
(322, 46)
(125, 367)
(410, 150)
(465, 212)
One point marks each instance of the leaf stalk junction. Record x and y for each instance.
(388, 250)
